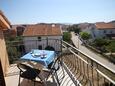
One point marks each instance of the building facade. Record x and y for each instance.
(100, 30)
(105, 29)
(4, 62)
(42, 36)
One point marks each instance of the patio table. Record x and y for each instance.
(37, 56)
(44, 57)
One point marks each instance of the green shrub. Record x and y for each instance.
(111, 46)
(85, 35)
(67, 36)
(99, 42)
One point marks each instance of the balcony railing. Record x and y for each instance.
(82, 69)
(85, 70)
(16, 49)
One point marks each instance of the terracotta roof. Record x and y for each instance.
(42, 30)
(103, 25)
(84, 25)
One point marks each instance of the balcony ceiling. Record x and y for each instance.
(4, 23)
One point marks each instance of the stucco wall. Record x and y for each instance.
(97, 33)
(32, 43)
(103, 32)
(3, 53)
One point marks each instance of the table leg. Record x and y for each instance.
(42, 76)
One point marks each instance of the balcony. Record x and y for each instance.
(76, 68)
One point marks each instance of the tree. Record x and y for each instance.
(77, 30)
(12, 53)
(67, 36)
(74, 28)
(111, 47)
(99, 42)
(85, 35)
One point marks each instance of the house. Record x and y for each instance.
(105, 29)
(65, 74)
(19, 29)
(89, 28)
(10, 33)
(16, 30)
(65, 27)
(42, 36)
(100, 29)
(4, 62)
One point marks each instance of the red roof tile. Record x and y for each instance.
(105, 25)
(42, 30)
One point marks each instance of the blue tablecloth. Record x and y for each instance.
(49, 56)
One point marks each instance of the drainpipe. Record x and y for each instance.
(47, 41)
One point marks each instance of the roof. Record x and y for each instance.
(103, 25)
(4, 21)
(83, 26)
(42, 30)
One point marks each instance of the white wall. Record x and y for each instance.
(91, 30)
(103, 32)
(96, 33)
(32, 43)
(110, 31)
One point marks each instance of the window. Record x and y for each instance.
(20, 30)
(39, 38)
(111, 32)
(40, 47)
(94, 35)
(104, 31)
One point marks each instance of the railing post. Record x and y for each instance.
(61, 45)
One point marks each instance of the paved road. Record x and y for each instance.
(95, 56)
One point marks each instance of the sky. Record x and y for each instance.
(58, 11)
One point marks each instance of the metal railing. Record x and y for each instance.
(81, 68)
(85, 70)
(16, 49)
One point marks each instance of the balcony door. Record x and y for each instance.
(2, 81)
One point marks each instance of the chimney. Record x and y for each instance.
(53, 25)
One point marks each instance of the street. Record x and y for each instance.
(78, 43)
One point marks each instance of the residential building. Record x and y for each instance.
(105, 29)
(65, 27)
(10, 33)
(75, 68)
(35, 37)
(19, 29)
(16, 30)
(4, 62)
(89, 28)
(100, 29)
